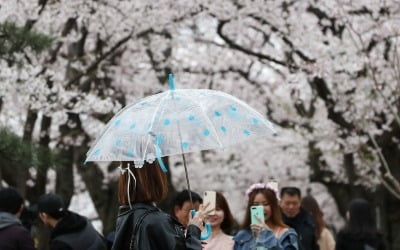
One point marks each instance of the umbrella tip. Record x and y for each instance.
(171, 81)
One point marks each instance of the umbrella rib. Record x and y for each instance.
(211, 125)
(108, 126)
(152, 123)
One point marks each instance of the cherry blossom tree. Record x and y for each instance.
(325, 72)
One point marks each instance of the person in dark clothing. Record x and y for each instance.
(13, 236)
(71, 231)
(182, 205)
(360, 232)
(140, 224)
(297, 218)
(110, 239)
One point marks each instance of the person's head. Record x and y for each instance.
(11, 201)
(223, 217)
(51, 209)
(150, 185)
(311, 205)
(260, 194)
(182, 205)
(361, 222)
(290, 201)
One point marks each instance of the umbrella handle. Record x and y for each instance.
(208, 228)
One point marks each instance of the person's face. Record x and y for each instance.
(216, 219)
(182, 213)
(290, 205)
(44, 218)
(261, 200)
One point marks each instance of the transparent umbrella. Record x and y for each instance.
(178, 121)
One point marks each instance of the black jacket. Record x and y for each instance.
(155, 230)
(305, 228)
(345, 241)
(13, 236)
(75, 232)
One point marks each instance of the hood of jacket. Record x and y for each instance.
(7, 219)
(70, 223)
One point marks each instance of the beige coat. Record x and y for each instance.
(326, 240)
(220, 241)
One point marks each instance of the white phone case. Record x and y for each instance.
(210, 198)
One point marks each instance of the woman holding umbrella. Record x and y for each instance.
(140, 224)
(271, 233)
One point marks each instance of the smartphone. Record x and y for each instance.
(257, 211)
(210, 198)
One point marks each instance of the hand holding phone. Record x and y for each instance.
(209, 200)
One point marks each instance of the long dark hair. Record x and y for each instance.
(361, 224)
(270, 195)
(228, 221)
(311, 206)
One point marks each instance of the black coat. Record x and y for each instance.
(75, 232)
(13, 236)
(346, 241)
(155, 230)
(305, 228)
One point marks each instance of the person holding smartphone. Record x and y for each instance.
(221, 221)
(262, 227)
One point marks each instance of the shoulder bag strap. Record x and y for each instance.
(137, 226)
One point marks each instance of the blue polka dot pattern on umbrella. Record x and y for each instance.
(198, 121)
(185, 145)
(223, 129)
(233, 114)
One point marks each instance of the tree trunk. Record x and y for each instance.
(23, 173)
(41, 231)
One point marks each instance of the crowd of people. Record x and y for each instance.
(289, 221)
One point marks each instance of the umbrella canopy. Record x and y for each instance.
(176, 122)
